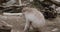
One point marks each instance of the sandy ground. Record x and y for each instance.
(18, 23)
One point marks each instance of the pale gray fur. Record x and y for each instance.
(34, 16)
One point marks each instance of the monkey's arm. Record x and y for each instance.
(27, 26)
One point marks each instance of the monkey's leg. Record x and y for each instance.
(35, 29)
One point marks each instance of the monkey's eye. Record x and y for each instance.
(24, 10)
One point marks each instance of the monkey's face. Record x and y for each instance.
(26, 9)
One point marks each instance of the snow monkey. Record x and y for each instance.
(34, 19)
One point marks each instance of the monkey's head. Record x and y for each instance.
(26, 9)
